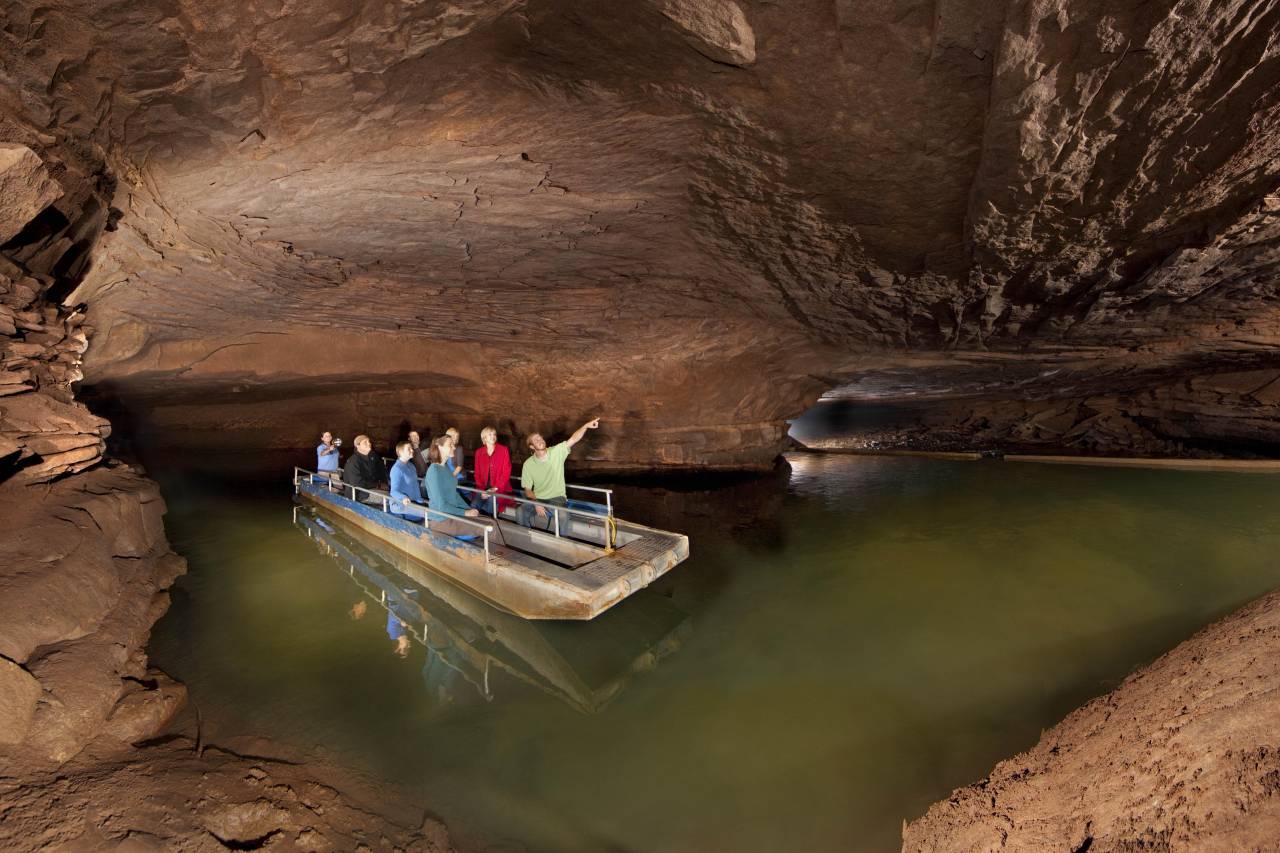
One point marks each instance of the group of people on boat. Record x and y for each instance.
(417, 481)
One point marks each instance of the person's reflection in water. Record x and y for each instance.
(358, 609)
(397, 615)
(439, 677)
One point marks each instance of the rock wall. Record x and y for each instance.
(549, 208)
(280, 391)
(84, 569)
(1184, 755)
(43, 432)
(1221, 415)
(84, 561)
(82, 576)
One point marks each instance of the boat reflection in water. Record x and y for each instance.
(471, 644)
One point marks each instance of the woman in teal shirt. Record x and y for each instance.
(442, 488)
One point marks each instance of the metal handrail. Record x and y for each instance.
(385, 499)
(517, 499)
(555, 510)
(608, 493)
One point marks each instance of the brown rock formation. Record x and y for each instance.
(688, 216)
(25, 188)
(84, 566)
(549, 208)
(1182, 756)
(174, 796)
(1132, 405)
(83, 573)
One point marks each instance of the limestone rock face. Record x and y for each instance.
(551, 210)
(25, 188)
(19, 693)
(716, 28)
(83, 565)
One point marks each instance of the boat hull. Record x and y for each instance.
(533, 592)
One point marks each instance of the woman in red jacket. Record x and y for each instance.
(493, 472)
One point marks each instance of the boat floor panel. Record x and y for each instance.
(651, 548)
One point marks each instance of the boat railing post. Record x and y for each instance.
(557, 515)
(487, 528)
(384, 504)
(608, 501)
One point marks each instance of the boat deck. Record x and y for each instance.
(567, 572)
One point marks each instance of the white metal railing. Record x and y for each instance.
(608, 493)
(333, 485)
(556, 510)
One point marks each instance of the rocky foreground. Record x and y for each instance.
(84, 566)
(176, 796)
(1184, 755)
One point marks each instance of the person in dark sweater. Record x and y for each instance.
(419, 461)
(364, 469)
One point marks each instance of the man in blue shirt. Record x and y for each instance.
(326, 454)
(406, 491)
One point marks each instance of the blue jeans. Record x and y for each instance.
(482, 502)
(412, 512)
(529, 515)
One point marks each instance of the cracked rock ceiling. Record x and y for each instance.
(694, 216)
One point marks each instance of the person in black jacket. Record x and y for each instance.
(364, 469)
(419, 462)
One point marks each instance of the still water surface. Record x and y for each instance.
(849, 640)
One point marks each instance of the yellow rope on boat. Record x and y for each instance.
(611, 528)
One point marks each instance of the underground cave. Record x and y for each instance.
(945, 335)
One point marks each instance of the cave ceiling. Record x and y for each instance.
(724, 208)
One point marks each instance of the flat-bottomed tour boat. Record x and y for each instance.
(584, 563)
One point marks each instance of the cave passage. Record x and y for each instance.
(850, 639)
(721, 227)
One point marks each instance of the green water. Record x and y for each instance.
(848, 642)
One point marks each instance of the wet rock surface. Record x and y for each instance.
(1182, 756)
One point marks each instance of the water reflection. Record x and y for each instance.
(472, 648)
(870, 633)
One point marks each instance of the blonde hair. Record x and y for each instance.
(452, 432)
(489, 431)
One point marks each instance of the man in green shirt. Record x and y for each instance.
(542, 477)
